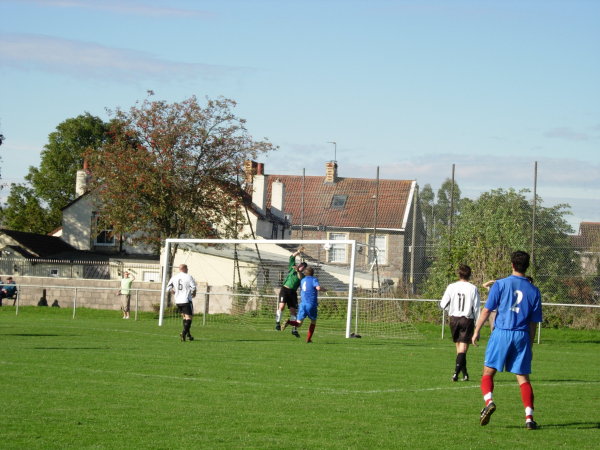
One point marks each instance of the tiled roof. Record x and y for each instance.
(588, 237)
(359, 209)
(41, 245)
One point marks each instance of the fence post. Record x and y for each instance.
(443, 321)
(18, 295)
(206, 302)
(74, 303)
(137, 294)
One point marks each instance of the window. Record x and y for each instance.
(378, 245)
(150, 276)
(339, 201)
(337, 252)
(104, 235)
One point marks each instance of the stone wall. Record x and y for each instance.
(96, 294)
(102, 294)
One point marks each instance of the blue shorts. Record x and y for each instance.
(307, 310)
(510, 350)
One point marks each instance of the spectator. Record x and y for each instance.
(125, 293)
(8, 289)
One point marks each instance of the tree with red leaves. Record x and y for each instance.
(172, 170)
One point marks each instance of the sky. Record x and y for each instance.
(407, 87)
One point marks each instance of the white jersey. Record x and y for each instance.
(184, 286)
(461, 299)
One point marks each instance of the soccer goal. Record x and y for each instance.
(239, 281)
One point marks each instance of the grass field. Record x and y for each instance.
(98, 381)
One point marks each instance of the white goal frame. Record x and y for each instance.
(325, 242)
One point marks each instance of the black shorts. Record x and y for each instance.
(462, 329)
(289, 297)
(186, 308)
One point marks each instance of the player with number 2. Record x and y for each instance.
(519, 306)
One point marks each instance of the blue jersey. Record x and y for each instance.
(308, 290)
(517, 301)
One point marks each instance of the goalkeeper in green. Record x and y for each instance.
(288, 294)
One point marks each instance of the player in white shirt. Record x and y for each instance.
(183, 287)
(461, 299)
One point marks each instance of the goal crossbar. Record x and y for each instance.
(169, 242)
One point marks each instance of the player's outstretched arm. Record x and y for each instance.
(488, 284)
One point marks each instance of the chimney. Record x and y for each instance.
(249, 170)
(82, 178)
(277, 199)
(331, 172)
(259, 193)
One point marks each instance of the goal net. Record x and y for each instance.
(238, 281)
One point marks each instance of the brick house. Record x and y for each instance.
(587, 244)
(383, 216)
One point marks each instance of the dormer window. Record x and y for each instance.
(339, 201)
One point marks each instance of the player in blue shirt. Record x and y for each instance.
(519, 309)
(309, 288)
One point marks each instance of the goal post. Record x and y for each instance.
(253, 268)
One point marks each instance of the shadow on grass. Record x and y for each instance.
(72, 348)
(35, 335)
(576, 425)
(564, 380)
(573, 425)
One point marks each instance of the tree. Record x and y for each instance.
(437, 213)
(490, 228)
(54, 181)
(23, 211)
(171, 170)
(448, 197)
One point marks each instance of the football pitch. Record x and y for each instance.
(98, 381)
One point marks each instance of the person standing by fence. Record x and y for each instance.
(125, 293)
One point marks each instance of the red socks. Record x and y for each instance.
(311, 330)
(527, 398)
(487, 388)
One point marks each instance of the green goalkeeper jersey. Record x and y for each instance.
(292, 281)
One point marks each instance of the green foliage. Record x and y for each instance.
(571, 317)
(23, 211)
(490, 228)
(172, 170)
(53, 183)
(436, 210)
(101, 382)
